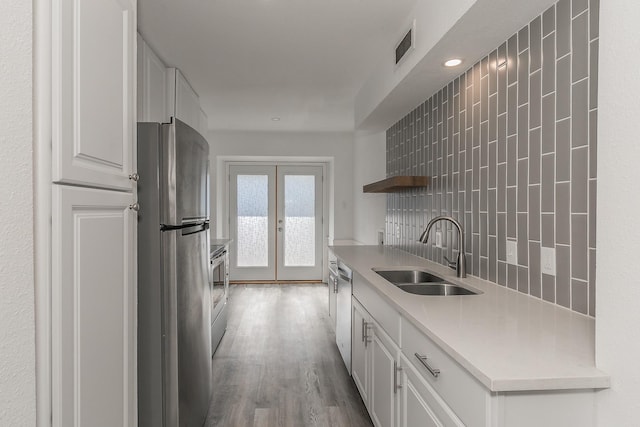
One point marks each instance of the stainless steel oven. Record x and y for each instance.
(219, 291)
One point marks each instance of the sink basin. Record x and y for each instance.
(408, 276)
(442, 289)
(422, 283)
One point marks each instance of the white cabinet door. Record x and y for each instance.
(93, 308)
(187, 103)
(204, 123)
(152, 86)
(360, 355)
(93, 92)
(384, 379)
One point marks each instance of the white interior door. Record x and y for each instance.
(275, 222)
(299, 228)
(252, 210)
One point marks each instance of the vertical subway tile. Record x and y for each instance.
(579, 296)
(523, 131)
(547, 203)
(511, 213)
(579, 251)
(548, 123)
(523, 39)
(502, 273)
(563, 27)
(483, 188)
(502, 79)
(484, 268)
(535, 280)
(563, 150)
(492, 211)
(512, 160)
(549, 21)
(534, 212)
(580, 114)
(563, 92)
(512, 110)
(493, 81)
(475, 254)
(523, 77)
(579, 48)
(593, 203)
(493, 274)
(548, 64)
(593, 74)
(563, 276)
(502, 187)
(484, 240)
(563, 214)
(579, 180)
(502, 138)
(593, 143)
(512, 276)
(493, 117)
(502, 237)
(548, 227)
(549, 288)
(535, 97)
(594, 19)
(476, 82)
(534, 156)
(592, 282)
(523, 185)
(535, 39)
(523, 239)
(493, 164)
(512, 59)
(523, 279)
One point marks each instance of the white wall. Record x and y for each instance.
(295, 145)
(618, 223)
(369, 165)
(17, 321)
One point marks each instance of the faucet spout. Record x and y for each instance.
(461, 264)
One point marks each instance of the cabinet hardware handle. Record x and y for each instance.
(134, 177)
(335, 286)
(134, 207)
(432, 371)
(396, 383)
(364, 332)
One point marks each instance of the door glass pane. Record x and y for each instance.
(300, 220)
(253, 231)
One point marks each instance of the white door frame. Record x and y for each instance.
(221, 195)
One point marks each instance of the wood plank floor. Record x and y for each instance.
(278, 364)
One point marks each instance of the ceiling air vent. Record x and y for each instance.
(406, 44)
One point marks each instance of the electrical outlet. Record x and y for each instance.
(548, 259)
(438, 239)
(381, 237)
(512, 252)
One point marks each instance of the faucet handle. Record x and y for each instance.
(450, 264)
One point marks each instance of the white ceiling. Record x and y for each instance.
(250, 60)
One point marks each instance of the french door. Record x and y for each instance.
(276, 222)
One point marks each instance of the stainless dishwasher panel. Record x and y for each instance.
(343, 314)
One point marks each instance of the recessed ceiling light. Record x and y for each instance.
(275, 119)
(453, 62)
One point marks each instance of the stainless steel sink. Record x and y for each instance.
(442, 289)
(408, 276)
(422, 283)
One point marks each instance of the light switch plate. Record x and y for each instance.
(548, 259)
(438, 239)
(512, 252)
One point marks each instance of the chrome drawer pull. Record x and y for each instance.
(432, 371)
(396, 384)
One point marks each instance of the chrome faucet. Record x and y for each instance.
(461, 265)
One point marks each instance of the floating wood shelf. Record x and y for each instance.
(396, 183)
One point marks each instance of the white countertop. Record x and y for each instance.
(508, 340)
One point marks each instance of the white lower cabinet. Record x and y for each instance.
(93, 308)
(384, 377)
(360, 354)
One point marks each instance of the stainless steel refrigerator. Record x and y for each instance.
(174, 312)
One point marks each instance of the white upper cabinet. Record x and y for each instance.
(187, 103)
(93, 92)
(153, 86)
(204, 123)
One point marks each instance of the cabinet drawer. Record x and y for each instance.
(463, 393)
